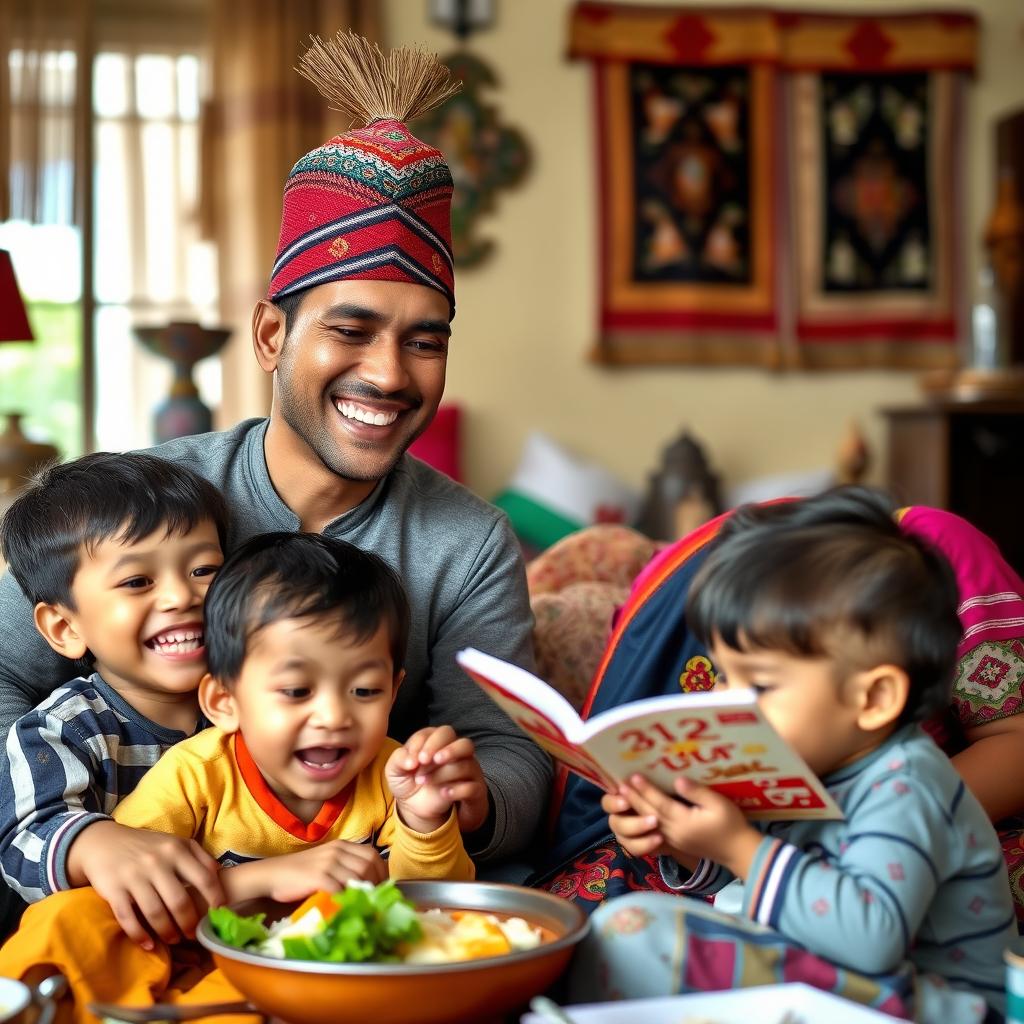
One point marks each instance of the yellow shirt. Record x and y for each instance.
(209, 789)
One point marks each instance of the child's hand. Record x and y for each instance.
(294, 876)
(148, 878)
(708, 825)
(434, 770)
(637, 834)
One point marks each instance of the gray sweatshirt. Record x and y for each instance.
(464, 575)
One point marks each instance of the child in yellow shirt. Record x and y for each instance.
(305, 640)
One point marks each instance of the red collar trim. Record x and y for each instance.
(270, 803)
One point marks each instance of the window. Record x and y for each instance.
(43, 381)
(150, 264)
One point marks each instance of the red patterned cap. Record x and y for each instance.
(375, 202)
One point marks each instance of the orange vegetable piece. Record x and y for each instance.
(320, 900)
(475, 936)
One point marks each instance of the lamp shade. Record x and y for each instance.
(14, 325)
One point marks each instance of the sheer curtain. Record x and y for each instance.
(151, 265)
(44, 91)
(102, 101)
(44, 106)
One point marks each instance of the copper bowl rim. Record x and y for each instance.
(538, 907)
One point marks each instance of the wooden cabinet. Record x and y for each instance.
(967, 457)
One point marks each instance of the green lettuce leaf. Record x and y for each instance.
(370, 925)
(236, 930)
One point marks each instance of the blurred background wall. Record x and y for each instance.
(526, 319)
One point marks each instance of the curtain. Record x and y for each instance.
(44, 105)
(261, 117)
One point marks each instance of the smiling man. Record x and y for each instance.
(359, 369)
(354, 330)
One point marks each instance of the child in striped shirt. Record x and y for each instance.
(115, 552)
(847, 631)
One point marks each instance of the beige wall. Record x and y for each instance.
(525, 321)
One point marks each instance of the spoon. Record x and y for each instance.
(48, 993)
(166, 1011)
(550, 1010)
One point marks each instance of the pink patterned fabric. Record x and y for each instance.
(990, 669)
(989, 680)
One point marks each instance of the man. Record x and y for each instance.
(355, 330)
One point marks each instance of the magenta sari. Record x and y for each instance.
(989, 681)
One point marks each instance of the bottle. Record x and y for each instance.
(984, 325)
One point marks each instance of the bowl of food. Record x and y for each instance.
(412, 953)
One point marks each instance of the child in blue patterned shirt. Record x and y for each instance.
(847, 631)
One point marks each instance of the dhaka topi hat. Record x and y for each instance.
(374, 202)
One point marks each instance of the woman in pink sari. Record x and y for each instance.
(983, 731)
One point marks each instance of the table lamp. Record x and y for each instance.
(19, 457)
(14, 325)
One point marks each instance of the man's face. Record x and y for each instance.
(361, 372)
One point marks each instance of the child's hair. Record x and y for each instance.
(833, 576)
(278, 576)
(73, 506)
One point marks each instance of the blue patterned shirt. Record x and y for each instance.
(915, 871)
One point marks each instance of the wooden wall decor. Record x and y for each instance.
(485, 156)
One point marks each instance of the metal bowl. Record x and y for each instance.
(310, 992)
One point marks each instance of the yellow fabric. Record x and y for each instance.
(197, 792)
(74, 932)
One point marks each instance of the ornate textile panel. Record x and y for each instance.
(777, 188)
(876, 225)
(687, 243)
(685, 114)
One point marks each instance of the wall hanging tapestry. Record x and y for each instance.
(777, 189)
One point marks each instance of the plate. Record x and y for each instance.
(767, 1004)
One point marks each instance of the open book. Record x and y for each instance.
(720, 739)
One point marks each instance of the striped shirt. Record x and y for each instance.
(915, 871)
(67, 764)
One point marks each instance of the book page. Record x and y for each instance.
(718, 738)
(540, 711)
(730, 748)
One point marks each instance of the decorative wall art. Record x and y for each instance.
(777, 188)
(687, 176)
(484, 155)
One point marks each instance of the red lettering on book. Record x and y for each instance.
(769, 794)
(736, 717)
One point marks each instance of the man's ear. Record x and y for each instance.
(268, 334)
(59, 629)
(217, 702)
(881, 694)
(399, 676)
